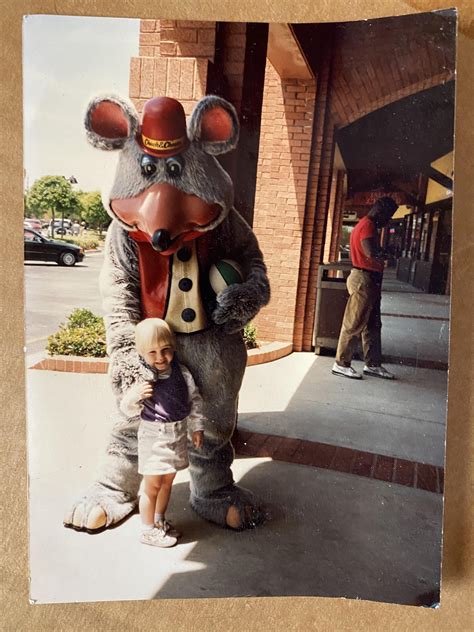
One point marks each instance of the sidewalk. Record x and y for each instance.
(330, 533)
(415, 325)
(299, 397)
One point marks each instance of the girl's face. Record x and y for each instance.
(159, 355)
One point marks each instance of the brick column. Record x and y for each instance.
(238, 75)
(314, 232)
(330, 225)
(338, 215)
(174, 61)
(284, 152)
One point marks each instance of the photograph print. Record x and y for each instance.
(237, 272)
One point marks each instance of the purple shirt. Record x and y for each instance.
(170, 399)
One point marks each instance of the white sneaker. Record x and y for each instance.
(169, 529)
(157, 537)
(345, 371)
(379, 371)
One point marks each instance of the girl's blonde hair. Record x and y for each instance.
(152, 331)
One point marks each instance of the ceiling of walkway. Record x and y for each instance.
(400, 140)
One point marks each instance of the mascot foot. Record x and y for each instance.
(232, 507)
(248, 517)
(96, 520)
(99, 511)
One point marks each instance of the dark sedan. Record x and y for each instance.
(38, 248)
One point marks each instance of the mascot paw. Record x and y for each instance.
(99, 510)
(78, 518)
(248, 517)
(236, 306)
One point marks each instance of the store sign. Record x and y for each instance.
(368, 198)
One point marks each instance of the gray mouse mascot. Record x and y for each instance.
(173, 218)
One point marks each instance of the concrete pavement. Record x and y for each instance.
(415, 325)
(298, 396)
(330, 534)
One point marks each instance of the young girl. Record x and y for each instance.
(167, 407)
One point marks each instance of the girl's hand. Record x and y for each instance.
(197, 438)
(144, 390)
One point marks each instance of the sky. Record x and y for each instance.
(66, 62)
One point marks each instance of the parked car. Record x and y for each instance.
(60, 227)
(38, 248)
(32, 222)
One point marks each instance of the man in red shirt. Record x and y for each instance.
(364, 284)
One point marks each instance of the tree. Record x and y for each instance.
(52, 194)
(93, 211)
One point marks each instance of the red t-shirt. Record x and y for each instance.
(364, 229)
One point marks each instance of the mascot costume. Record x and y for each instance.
(173, 219)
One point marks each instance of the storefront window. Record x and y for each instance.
(425, 225)
(434, 231)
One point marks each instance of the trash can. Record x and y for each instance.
(331, 299)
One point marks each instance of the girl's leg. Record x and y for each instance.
(164, 494)
(148, 499)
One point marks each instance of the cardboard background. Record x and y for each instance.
(256, 613)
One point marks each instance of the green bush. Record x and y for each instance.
(82, 317)
(250, 336)
(88, 243)
(82, 335)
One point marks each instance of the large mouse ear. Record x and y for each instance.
(214, 125)
(110, 122)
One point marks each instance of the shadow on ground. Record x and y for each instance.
(330, 535)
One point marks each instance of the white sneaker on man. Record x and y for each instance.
(378, 371)
(345, 371)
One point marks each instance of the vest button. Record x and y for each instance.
(188, 315)
(184, 254)
(185, 285)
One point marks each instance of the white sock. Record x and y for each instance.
(159, 518)
(147, 527)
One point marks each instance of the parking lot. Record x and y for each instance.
(52, 292)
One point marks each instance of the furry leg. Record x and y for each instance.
(215, 497)
(114, 495)
(217, 362)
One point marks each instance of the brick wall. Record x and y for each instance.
(285, 142)
(233, 42)
(174, 59)
(319, 176)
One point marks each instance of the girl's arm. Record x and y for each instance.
(196, 416)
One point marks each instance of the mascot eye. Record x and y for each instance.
(174, 166)
(148, 165)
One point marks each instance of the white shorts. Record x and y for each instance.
(162, 447)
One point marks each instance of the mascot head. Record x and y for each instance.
(168, 185)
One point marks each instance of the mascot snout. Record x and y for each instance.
(161, 240)
(166, 215)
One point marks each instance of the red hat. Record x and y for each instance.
(163, 129)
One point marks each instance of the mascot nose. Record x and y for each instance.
(161, 240)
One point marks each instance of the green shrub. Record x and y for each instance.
(82, 317)
(250, 336)
(83, 335)
(88, 243)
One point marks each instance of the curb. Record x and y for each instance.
(76, 364)
(429, 478)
